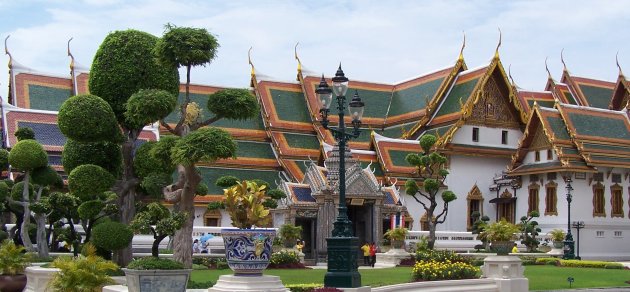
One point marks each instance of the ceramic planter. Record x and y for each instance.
(12, 283)
(502, 247)
(157, 280)
(248, 251)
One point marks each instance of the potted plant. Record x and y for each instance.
(155, 273)
(501, 234)
(85, 273)
(13, 261)
(557, 237)
(248, 249)
(397, 236)
(290, 234)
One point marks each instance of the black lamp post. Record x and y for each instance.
(569, 244)
(578, 225)
(342, 246)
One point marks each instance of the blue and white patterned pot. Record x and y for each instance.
(248, 251)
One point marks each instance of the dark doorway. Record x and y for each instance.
(362, 222)
(309, 233)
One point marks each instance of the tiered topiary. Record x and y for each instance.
(157, 220)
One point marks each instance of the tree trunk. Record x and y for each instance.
(155, 249)
(183, 237)
(127, 201)
(74, 237)
(42, 239)
(432, 225)
(26, 240)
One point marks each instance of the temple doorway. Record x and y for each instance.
(309, 233)
(362, 222)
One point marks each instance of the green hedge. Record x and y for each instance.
(303, 287)
(578, 263)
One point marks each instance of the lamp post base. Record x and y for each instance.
(569, 248)
(342, 263)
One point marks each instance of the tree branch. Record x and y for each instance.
(206, 122)
(444, 212)
(167, 127)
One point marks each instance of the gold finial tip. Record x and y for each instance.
(461, 51)
(496, 52)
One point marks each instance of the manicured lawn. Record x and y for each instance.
(540, 277)
(371, 277)
(550, 277)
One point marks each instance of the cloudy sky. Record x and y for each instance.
(382, 41)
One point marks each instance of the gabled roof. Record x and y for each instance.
(252, 154)
(284, 106)
(392, 153)
(41, 92)
(589, 92)
(295, 145)
(621, 94)
(601, 136)
(561, 92)
(546, 128)
(528, 98)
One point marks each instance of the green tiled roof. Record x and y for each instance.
(570, 97)
(376, 166)
(254, 150)
(534, 166)
(440, 131)
(599, 126)
(558, 128)
(413, 98)
(597, 96)
(461, 90)
(606, 147)
(395, 131)
(567, 150)
(364, 135)
(376, 102)
(398, 157)
(210, 175)
(302, 141)
(611, 159)
(542, 103)
(255, 123)
(47, 98)
(290, 105)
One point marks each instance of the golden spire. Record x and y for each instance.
(562, 59)
(510, 75)
(461, 51)
(71, 57)
(6, 51)
(618, 66)
(249, 58)
(299, 68)
(496, 52)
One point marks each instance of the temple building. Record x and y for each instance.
(510, 151)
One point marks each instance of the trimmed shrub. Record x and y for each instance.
(199, 285)
(111, 235)
(88, 180)
(408, 262)
(548, 261)
(440, 256)
(27, 155)
(447, 270)
(18, 188)
(105, 154)
(153, 263)
(590, 264)
(303, 287)
(87, 118)
(285, 260)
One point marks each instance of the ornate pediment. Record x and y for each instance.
(540, 140)
(493, 109)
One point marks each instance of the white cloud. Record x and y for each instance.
(382, 41)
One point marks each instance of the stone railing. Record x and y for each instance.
(452, 240)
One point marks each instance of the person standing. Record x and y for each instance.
(373, 254)
(196, 248)
(366, 254)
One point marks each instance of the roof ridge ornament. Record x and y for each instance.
(562, 59)
(70, 55)
(496, 52)
(6, 51)
(249, 59)
(299, 68)
(618, 66)
(461, 51)
(510, 75)
(547, 68)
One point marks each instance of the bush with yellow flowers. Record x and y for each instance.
(443, 270)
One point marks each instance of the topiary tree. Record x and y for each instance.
(4, 190)
(112, 235)
(157, 220)
(140, 91)
(188, 47)
(529, 230)
(45, 178)
(26, 156)
(65, 205)
(431, 167)
(105, 154)
(24, 133)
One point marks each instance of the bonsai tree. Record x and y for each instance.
(189, 47)
(26, 156)
(290, 234)
(44, 178)
(396, 236)
(140, 91)
(157, 220)
(529, 231)
(111, 235)
(431, 168)
(479, 225)
(557, 235)
(502, 235)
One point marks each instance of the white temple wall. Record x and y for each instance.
(489, 137)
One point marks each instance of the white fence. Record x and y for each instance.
(453, 240)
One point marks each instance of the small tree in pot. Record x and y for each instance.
(397, 236)
(502, 235)
(13, 261)
(557, 237)
(290, 234)
(157, 220)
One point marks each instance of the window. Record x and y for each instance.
(537, 155)
(475, 136)
(533, 198)
(616, 200)
(552, 176)
(618, 234)
(598, 201)
(212, 218)
(616, 178)
(598, 176)
(551, 199)
(504, 137)
(549, 154)
(599, 233)
(475, 204)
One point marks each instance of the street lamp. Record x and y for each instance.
(569, 245)
(578, 225)
(342, 246)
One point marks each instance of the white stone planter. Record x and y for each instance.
(37, 278)
(157, 280)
